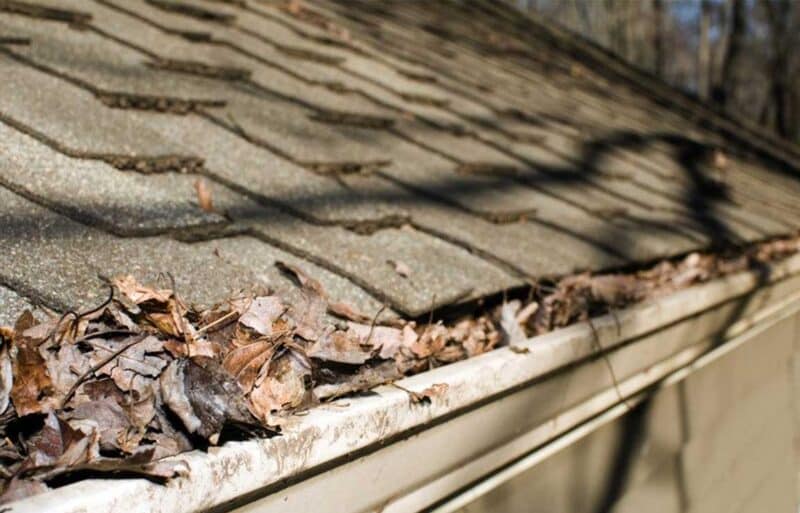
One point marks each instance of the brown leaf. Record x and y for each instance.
(347, 312)
(282, 387)
(245, 363)
(57, 444)
(32, 390)
(203, 195)
(107, 417)
(357, 344)
(431, 342)
(432, 392)
(308, 315)
(262, 314)
(139, 294)
(615, 289)
(204, 396)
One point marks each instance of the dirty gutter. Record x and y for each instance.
(382, 453)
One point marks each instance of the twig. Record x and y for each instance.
(415, 397)
(79, 316)
(372, 325)
(218, 321)
(94, 368)
(105, 333)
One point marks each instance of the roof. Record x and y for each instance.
(407, 153)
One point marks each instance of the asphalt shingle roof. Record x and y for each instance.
(478, 148)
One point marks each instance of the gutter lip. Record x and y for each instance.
(332, 431)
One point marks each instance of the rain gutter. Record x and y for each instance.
(382, 453)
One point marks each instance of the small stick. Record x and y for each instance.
(218, 321)
(415, 397)
(372, 325)
(96, 367)
(104, 333)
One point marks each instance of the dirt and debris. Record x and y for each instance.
(155, 165)
(156, 103)
(193, 11)
(41, 11)
(10, 40)
(200, 68)
(144, 376)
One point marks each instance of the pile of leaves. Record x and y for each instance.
(145, 376)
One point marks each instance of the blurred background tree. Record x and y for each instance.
(743, 55)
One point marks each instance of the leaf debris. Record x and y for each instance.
(145, 376)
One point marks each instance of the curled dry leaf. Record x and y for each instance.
(32, 390)
(434, 391)
(512, 331)
(282, 386)
(203, 191)
(245, 363)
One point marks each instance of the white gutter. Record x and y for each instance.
(652, 340)
(785, 309)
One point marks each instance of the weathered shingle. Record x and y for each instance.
(346, 137)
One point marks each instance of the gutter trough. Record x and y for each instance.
(507, 413)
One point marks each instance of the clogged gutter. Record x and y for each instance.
(144, 376)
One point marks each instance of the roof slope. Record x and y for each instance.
(409, 153)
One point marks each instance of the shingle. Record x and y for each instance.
(442, 273)
(102, 62)
(74, 119)
(486, 177)
(126, 202)
(259, 258)
(11, 306)
(61, 262)
(275, 75)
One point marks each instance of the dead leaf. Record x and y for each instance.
(281, 387)
(262, 314)
(294, 7)
(615, 289)
(205, 397)
(512, 331)
(434, 391)
(139, 294)
(245, 363)
(204, 195)
(400, 268)
(308, 315)
(347, 312)
(341, 346)
(32, 390)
